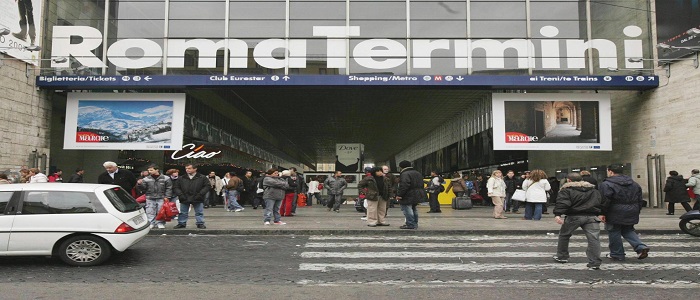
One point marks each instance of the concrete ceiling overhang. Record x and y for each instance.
(309, 121)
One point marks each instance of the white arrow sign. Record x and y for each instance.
(460, 78)
(147, 78)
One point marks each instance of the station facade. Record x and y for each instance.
(460, 52)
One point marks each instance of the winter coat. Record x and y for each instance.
(335, 186)
(373, 193)
(218, 184)
(122, 178)
(496, 187)
(234, 183)
(157, 188)
(410, 187)
(694, 182)
(622, 200)
(75, 178)
(249, 184)
(191, 190)
(675, 189)
(511, 184)
(40, 178)
(291, 185)
(536, 192)
(274, 188)
(578, 199)
(457, 185)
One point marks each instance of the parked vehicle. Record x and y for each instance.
(82, 224)
(690, 222)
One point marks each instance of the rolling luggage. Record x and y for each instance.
(460, 203)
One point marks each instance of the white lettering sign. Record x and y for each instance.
(377, 54)
(195, 153)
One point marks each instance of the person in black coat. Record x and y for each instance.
(191, 189)
(676, 192)
(410, 192)
(77, 177)
(587, 177)
(116, 176)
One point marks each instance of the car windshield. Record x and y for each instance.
(121, 200)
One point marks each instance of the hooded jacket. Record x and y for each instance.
(694, 182)
(675, 190)
(411, 187)
(622, 200)
(578, 198)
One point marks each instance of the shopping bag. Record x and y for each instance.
(519, 195)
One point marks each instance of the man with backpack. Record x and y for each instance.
(434, 189)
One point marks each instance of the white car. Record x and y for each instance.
(80, 223)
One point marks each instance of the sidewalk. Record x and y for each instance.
(316, 220)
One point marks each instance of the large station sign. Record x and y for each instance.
(374, 54)
(104, 121)
(554, 121)
(22, 21)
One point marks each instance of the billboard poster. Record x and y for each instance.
(555, 121)
(103, 121)
(348, 157)
(23, 20)
(673, 20)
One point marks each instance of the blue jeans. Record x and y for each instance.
(272, 207)
(591, 227)
(616, 233)
(233, 200)
(152, 209)
(411, 214)
(533, 211)
(184, 213)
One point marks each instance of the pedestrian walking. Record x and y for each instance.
(300, 188)
(335, 185)
(581, 204)
(234, 186)
(158, 188)
(249, 189)
(510, 205)
(191, 189)
(622, 203)
(410, 193)
(376, 191)
(259, 192)
(57, 176)
(676, 192)
(289, 193)
(274, 187)
(536, 188)
(314, 192)
(77, 177)
(497, 191)
(215, 187)
(174, 175)
(392, 187)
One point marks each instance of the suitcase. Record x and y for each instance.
(460, 203)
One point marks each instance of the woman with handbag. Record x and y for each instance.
(536, 188)
(376, 191)
(676, 192)
(497, 191)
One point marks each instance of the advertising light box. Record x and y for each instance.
(553, 121)
(23, 19)
(103, 121)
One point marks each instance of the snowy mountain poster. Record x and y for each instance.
(102, 121)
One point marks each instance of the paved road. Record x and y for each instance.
(349, 266)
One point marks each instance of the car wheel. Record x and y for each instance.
(690, 226)
(84, 250)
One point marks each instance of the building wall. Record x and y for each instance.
(662, 121)
(24, 117)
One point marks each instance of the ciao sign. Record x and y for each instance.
(193, 153)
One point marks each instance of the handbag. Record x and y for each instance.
(519, 195)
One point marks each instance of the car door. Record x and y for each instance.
(7, 216)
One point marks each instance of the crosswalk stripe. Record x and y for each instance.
(470, 245)
(474, 267)
(469, 255)
(552, 236)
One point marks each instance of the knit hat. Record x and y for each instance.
(404, 164)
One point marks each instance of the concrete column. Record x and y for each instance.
(578, 116)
